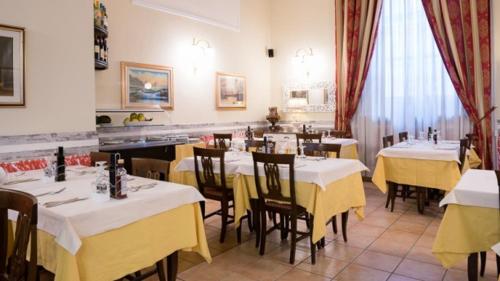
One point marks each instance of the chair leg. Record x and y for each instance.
(404, 192)
(498, 265)
(160, 270)
(238, 234)
(225, 210)
(483, 263)
(249, 221)
(394, 190)
(334, 224)
(389, 186)
(202, 207)
(282, 227)
(256, 220)
(421, 199)
(472, 267)
(345, 217)
(293, 221)
(313, 248)
(263, 231)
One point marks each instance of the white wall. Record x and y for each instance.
(143, 35)
(299, 24)
(59, 80)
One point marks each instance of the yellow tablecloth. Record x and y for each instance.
(414, 172)
(338, 197)
(465, 230)
(474, 160)
(349, 151)
(113, 254)
(181, 152)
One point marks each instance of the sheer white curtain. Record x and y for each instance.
(407, 88)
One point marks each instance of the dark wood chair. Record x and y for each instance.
(215, 189)
(271, 199)
(388, 141)
(473, 139)
(157, 170)
(464, 144)
(15, 266)
(403, 136)
(308, 138)
(258, 144)
(98, 157)
(324, 150)
(223, 141)
(340, 134)
(151, 168)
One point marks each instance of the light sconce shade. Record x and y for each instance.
(302, 54)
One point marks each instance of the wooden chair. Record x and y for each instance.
(151, 168)
(271, 199)
(212, 188)
(324, 149)
(340, 134)
(98, 157)
(472, 139)
(15, 266)
(157, 170)
(221, 139)
(388, 141)
(403, 136)
(257, 144)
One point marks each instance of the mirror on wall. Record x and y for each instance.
(309, 97)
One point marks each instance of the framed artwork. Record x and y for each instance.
(146, 86)
(12, 62)
(231, 91)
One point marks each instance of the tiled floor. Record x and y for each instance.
(384, 246)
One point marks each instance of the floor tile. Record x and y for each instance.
(378, 261)
(360, 273)
(423, 254)
(396, 277)
(299, 275)
(390, 247)
(420, 270)
(324, 266)
(340, 251)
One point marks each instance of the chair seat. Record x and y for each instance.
(216, 193)
(283, 208)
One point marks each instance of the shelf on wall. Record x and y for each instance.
(127, 110)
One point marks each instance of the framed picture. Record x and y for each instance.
(231, 91)
(147, 86)
(12, 66)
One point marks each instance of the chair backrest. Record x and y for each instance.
(99, 156)
(322, 149)
(339, 134)
(388, 141)
(272, 163)
(472, 139)
(13, 267)
(221, 139)
(462, 152)
(151, 168)
(403, 136)
(206, 177)
(258, 144)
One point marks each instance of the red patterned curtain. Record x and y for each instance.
(356, 25)
(462, 32)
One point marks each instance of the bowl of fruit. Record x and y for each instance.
(137, 119)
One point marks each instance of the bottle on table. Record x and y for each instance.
(265, 145)
(429, 134)
(61, 165)
(115, 177)
(248, 134)
(435, 137)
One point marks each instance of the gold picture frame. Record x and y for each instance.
(12, 66)
(230, 91)
(147, 86)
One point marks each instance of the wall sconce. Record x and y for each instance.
(303, 54)
(201, 52)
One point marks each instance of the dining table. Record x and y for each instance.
(86, 235)
(422, 163)
(325, 187)
(471, 222)
(349, 147)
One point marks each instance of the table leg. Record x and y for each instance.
(472, 267)
(172, 266)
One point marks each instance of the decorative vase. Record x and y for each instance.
(273, 117)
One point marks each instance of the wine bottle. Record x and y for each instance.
(248, 134)
(304, 129)
(61, 166)
(429, 134)
(121, 181)
(113, 161)
(435, 137)
(265, 145)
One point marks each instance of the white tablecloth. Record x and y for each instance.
(478, 188)
(71, 222)
(311, 170)
(423, 150)
(292, 140)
